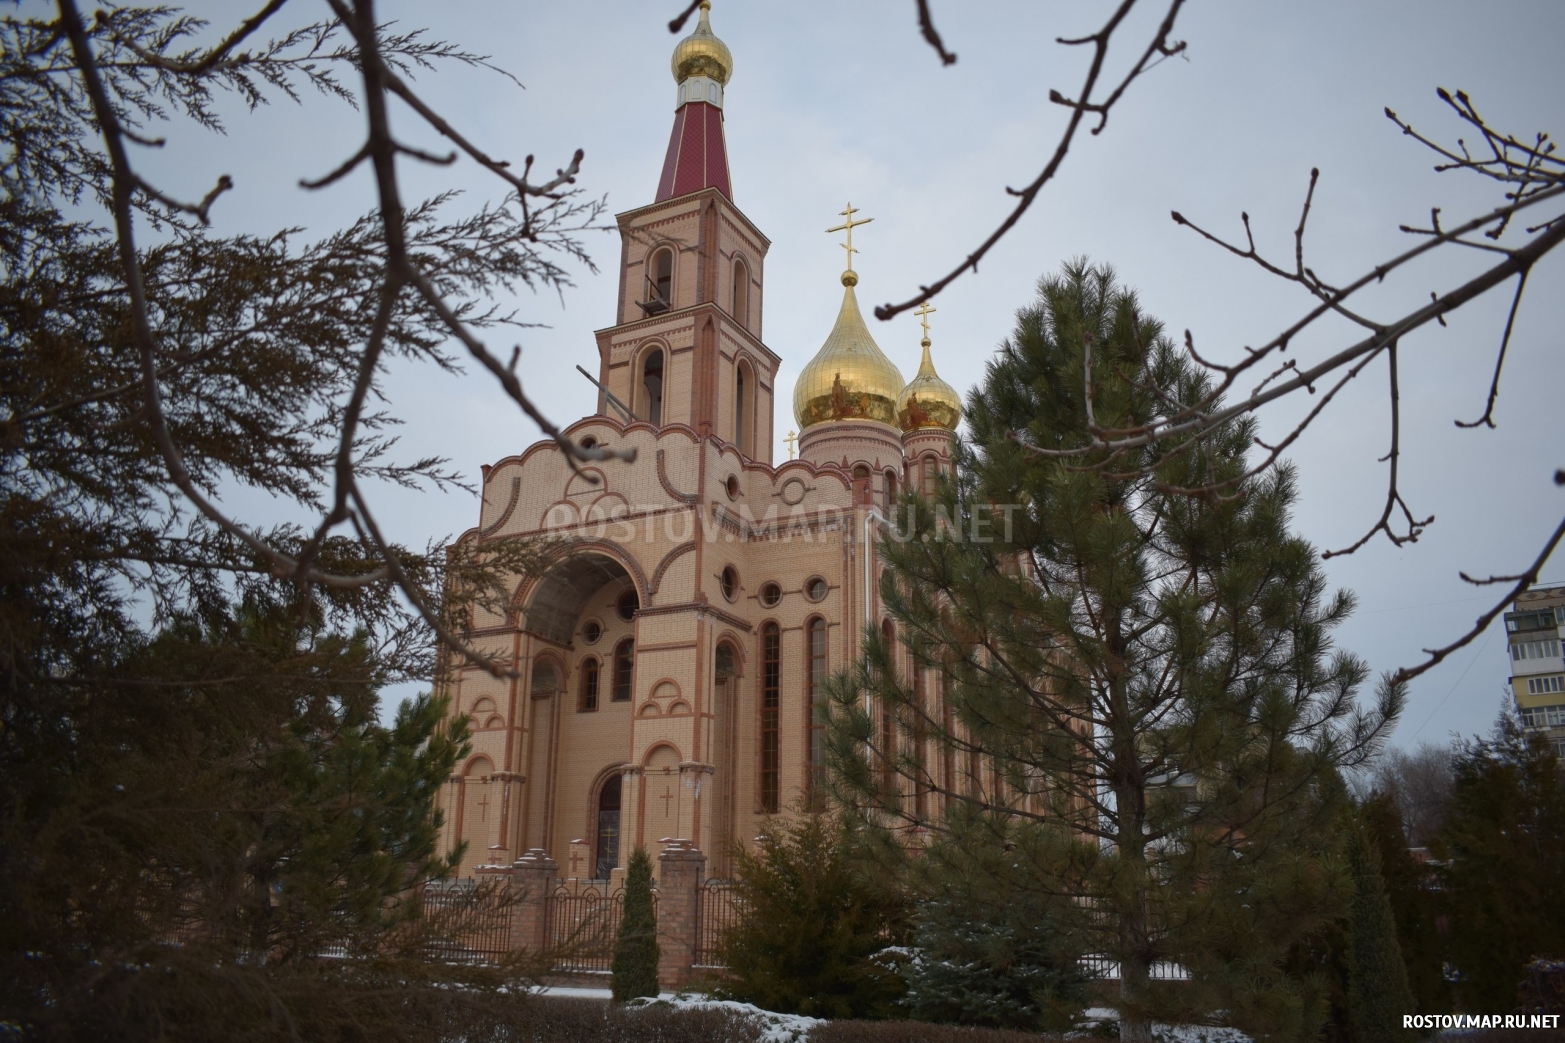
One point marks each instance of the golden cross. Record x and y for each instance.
(790, 441)
(923, 313)
(848, 226)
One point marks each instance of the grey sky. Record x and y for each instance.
(833, 102)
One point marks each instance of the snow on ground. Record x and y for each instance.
(775, 1028)
(1093, 1016)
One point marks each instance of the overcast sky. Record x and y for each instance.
(838, 102)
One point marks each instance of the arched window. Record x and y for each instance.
(927, 479)
(771, 700)
(624, 665)
(741, 308)
(861, 485)
(652, 386)
(744, 389)
(546, 678)
(815, 705)
(589, 685)
(891, 491)
(606, 855)
(660, 282)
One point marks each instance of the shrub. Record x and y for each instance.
(816, 919)
(635, 966)
(916, 1032)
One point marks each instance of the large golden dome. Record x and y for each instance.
(702, 54)
(850, 378)
(928, 401)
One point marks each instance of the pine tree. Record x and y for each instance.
(1137, 657)
(635, 967)
(816, 918)
(1378, 992)
(1411, 891)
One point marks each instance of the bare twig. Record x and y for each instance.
(926, 25)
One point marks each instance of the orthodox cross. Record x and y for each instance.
(848, 226)
(923, 313)
(790, 442)
(667, 796)
(483, 808)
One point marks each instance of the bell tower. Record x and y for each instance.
(686, 346)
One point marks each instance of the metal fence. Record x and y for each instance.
(583, 921)
(471, 924)
(719, 909)
(1105, 969)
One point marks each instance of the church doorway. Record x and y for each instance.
(606, 849)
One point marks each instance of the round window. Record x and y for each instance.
(729, 580)
(771, 593)
(815, 589)
(627, 604)
(591, 631)
(732, 485)
(589, 442)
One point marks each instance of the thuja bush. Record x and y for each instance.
(635, 968)
(818, 916)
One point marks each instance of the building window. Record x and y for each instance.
(929, 470)
(660, 282)
(589, 685)
(815, 704)
(891, 491)
(815, 589)
(728, 580)
(741, 308)
(606, 855)
(591, 631)
(1522, 650)
(771, 594)
(1545, 685)
(546, 678)
(888, 717)
(652, 386)
(744, 390)
(627, 604)
(1543, 716)
(861, 486)
(624, 665)
(771, 692)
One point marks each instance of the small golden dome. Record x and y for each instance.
(702, 54)
(850, 378)
(927, 401)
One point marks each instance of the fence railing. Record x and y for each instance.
(583, 921)
(719, 909)
(1108, 970)
(472, 924)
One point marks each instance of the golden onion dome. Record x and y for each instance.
(702, 53)
(850, 378)
(928, 402)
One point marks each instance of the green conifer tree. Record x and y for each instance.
(635, 968)
(1137, 660)
(1378, 992)
(1502, 845)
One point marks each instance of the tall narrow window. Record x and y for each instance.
(815, 702)
(742, 384)
(660, 283)
(891, 491)
(741, 308)
(589, 685)
(771, 698)
(624, 665)
(546, 679)
(888, 719)
(927, 479)
(606, 855)
(861, 485)
(948, 737)
(920, 742)
(652, 386)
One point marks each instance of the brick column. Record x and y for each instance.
(681, 871)
(533, 878)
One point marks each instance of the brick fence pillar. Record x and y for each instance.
(533, 879)
(681, 871)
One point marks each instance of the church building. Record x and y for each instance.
(670, 656)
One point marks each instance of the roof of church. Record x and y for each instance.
(697, 156)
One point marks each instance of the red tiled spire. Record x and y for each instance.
(697, 156)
